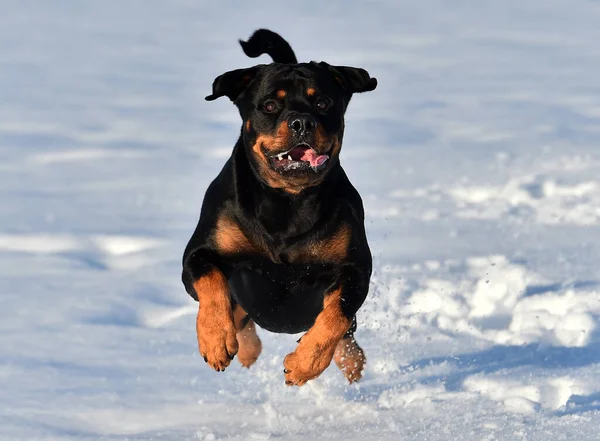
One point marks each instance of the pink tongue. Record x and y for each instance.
(315, 160)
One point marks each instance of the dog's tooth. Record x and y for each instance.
(280, 156)
(290, 158)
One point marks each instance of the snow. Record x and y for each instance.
(477, 161)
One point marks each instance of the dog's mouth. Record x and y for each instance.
(303, 156)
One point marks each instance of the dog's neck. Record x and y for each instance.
(282, 213)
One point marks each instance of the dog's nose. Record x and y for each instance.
(301, 123)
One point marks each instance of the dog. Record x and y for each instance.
(281, 241)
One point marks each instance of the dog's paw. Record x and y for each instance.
(305, 363)
(250, 346)
(216, 340)
(350, 359)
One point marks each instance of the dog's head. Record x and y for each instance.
(293, 114)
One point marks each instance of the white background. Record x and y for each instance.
(477, 159)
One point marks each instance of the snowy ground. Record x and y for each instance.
(478, 161)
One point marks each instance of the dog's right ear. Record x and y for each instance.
(353, 79)
(233, 83)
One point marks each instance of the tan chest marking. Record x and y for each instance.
(230, 239)
(333, 249)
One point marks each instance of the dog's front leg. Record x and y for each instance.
(214, 324)
(317, 347)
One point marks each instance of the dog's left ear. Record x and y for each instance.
(232, 84)
(353, 79)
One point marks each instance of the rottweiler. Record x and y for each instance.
(281, 241)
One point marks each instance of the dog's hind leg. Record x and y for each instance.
(349, 357)
(249, 343)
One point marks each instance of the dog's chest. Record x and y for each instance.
(281, 283)
(232, 241)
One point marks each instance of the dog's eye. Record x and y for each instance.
(270, 106)
(322, 104)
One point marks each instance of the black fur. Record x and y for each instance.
(264, 41)
(284, 212)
